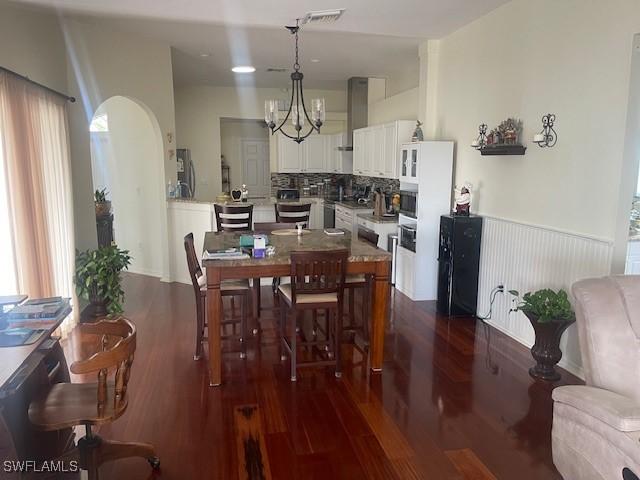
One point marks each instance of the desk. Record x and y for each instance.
(25, 371)
(363, 259)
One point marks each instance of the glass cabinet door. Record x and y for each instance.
(403, 165)
(414, 162)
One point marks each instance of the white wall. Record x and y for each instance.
(31, 44)
(571, 58)
(402, 106)
(129, 153)
(231, 133)
(199, 110)
(104, 63)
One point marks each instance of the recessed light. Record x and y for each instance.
(243, 69)
(314, 60)
(205, 54)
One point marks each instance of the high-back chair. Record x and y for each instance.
(317, 283)
(596, 427)
(293, 213)
(228, 288)
(233, 218)
(66, 405)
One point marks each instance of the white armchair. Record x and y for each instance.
(596, 427)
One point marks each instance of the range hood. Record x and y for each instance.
(357, 108)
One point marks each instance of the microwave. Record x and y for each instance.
(408, 236)
(408, 203)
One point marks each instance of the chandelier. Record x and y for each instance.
(297, 109)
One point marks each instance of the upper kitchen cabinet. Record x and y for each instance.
(376, 149)
(338, 161)
(289, 155)
(314, 153)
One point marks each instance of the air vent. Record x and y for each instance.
(276, 70)
(322, 16)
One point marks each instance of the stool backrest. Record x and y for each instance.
(232, 218)
(318, 272)
(286, 213)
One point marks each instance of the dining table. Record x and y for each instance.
(364, 258)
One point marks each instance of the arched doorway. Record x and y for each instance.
(127, 160)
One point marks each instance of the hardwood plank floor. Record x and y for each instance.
(446, 406)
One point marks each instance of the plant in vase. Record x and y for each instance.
(550, 314)
(98, 278)
(103, 206)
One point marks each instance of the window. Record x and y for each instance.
(8, 276)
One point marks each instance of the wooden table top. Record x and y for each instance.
(316, 240)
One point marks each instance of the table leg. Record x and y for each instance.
(256, 298)
(214, 311)
(379, 312)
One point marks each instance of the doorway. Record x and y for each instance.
(126, 160)
(244, 144)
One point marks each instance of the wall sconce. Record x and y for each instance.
(547, 136)
(481, 141)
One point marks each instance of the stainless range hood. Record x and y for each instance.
(357, 108)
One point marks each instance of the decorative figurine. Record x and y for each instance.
(417, 136)
(236, 194)
(244, 193)
(463, 199)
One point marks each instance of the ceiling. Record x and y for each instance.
(373, 38)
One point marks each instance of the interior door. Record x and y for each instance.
(256, 174)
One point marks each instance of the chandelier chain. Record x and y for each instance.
(296, 65)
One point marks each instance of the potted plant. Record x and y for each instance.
(103, 206)
(98, 278)
(550, 314)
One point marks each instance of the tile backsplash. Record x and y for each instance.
(297, 180)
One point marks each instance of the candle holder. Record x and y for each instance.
(480, 142)
(547, 136)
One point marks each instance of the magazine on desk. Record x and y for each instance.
(234, 253)
(22, 328)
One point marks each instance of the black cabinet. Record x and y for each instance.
(459, 264)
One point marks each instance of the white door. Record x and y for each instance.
(314, 153)
(256, 174)
(289, 155)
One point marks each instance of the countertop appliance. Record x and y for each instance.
(288, 194)
(459, 264)
(409, 203)
(408, 236)
(329, 214)
(362, 192)
(186, 173)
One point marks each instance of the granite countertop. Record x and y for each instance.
(377, 219)
(256, 202)
(315, 240)
(355, 205)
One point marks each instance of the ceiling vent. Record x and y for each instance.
(322, 16)
(276, 70)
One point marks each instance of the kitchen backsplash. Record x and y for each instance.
(296, 180)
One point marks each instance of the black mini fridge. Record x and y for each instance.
(459, 264)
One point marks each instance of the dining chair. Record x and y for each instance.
(228, 288)
(362, 283)
(288, 213)
(66, 405)
(317, 283)
(233, 218)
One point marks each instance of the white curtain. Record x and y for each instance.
(35, 150)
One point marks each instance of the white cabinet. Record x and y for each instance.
(405, 271)
(314, 153)
(347, 218)
(338, 161)
(376, 149)
(409, 162)
(289, 158)
(383, 229)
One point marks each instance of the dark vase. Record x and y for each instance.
(546, 351)
(98, 304)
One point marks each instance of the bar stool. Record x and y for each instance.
(360, 282)
(317, 282)
(233, 218)
(287, 213)
(228, 288)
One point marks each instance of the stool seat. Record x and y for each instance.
(308, 297)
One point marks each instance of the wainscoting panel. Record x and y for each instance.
(526, 257)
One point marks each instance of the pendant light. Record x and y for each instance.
(297, 109)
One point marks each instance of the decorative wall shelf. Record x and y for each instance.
(503, 150)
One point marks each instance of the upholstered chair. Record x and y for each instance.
(596, 427)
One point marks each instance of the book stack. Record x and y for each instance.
(37, 313)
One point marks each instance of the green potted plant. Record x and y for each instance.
(103, 206)
(98, 278)
(550, 314)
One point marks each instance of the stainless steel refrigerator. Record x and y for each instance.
(186, 174)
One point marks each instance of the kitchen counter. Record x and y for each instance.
(377, 219)
(256, 202)
(355, 205)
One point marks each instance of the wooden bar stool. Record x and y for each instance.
(317, 282)
(287, 213)
(228, 288)
(233, 218)
(67, 405)
(363, 283)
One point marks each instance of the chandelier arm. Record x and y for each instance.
(312, 123)
(284, 121)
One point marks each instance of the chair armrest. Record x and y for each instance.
(617, 411)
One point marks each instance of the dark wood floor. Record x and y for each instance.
(454, 402)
